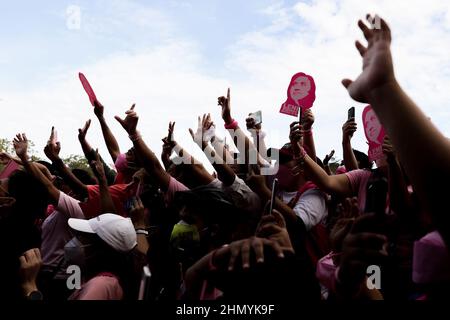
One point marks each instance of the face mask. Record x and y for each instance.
(325, 270)
(285, 177)
(74, 252)
(121, 163)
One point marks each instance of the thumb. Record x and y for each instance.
(191, 132)
(346, 83)
(120, 120)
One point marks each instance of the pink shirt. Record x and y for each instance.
(358, 181)
(174, 186)
(102, 287)
(55, 230)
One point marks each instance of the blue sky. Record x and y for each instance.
(173, 58)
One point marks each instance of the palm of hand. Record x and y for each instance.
(377, 61)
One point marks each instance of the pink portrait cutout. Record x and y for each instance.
(301, 93)
(374, 132)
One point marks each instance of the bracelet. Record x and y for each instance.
(142, 231)
(135, 137)
(233, 125)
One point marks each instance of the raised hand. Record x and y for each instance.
(30, 264)
(327, 158)
(388, 148)
(273, 227)
(251, 125)
(97, 168)
(53, 147)
(130, 122)
(98, 109)
(378, 68)
(170, 133)
(137, 214)
(168, 142)
(82, 132)
(206, 130)
(20, 144)
(308, 119)
(225, 103)
(348, 129)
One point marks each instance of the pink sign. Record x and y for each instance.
(9, 169)
(87, 87)
(301, 93)
(374, 133)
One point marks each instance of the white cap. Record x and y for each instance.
(117, 231)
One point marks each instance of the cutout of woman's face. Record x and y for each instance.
(300, 88)
(372, 126)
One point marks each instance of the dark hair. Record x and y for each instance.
(363, 160)
(31, 196)
(84, 176)
(49, 166)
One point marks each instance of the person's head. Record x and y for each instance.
(102, 244)
(128, 162)
(84, 176)
(287, 181)
(31, 196)
(211, 211)
(302, 90)
(372, 126)
(362, 159)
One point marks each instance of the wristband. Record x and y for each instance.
(233, 125)
(307, 132)
(142, 231)
(135, 137)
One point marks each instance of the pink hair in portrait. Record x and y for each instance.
(301, 93)
(372, 127)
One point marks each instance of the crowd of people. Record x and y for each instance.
(225, 235)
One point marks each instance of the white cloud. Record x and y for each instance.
(321, 44)
(168, 81)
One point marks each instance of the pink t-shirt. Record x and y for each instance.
(174, 186)
(101, 287)
(358, 181)
(55, 230)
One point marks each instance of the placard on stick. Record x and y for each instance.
(301, 93)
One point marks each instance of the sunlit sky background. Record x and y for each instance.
(174, 58)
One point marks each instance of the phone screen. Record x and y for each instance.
(351, 113)
(257, 116)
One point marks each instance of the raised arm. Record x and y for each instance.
(20, 143)
(331, 184)
(52, 150)
(110, 140)
(326, 161)
(308, 138)
(106, 202)
(202, 137)
(348, 129)
(242, 142)
(149, 160)
(422, 148)
(258, 136)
